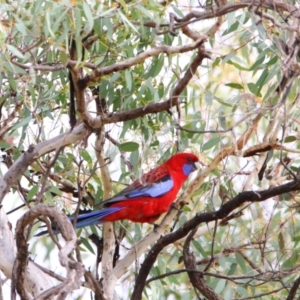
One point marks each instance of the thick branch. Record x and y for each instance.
(36, 281)
(75, 270)
(109, 280)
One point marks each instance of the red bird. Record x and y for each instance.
(146, 198)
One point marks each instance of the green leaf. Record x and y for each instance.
(156, 66)
(126, 21)
(128, 147)
(211, 143)
(14, 51)
(292, 261)
(178, 11)
(290, 139)
(128, 79)
(63, 57)
(239, 67)
(220, 286)
(20, 25)
(144, 11)
(13, 84)
(49, 27)
(241, 262)
(233, 27)
(123, 3)
(174, 279)
(4, 145)
(232, 269)
(88, 14)
(33, 191)
(260, 82)
(199, 248)
(23, 123)
(257, 64)
(222, 120)
(86, 156)
(235, 85)
(281, 243)
(272, 61)
(254, 89)
(208, 97)
(216, 63)
(55, 190)
(32, 74)
(106, 12)
(242, 291)
(86, 243)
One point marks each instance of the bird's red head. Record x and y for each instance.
(183, 162)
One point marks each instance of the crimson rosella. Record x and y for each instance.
(146, 198)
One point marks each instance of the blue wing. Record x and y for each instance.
(156, 189)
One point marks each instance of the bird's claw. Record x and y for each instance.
(176, 208)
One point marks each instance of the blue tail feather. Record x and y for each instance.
(88, 219)
(94, 217)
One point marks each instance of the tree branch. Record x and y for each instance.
(75, 270)
(294, 289)
(98, 73)
(34, 152)
(196, 279)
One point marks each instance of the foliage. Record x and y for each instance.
(148, 79)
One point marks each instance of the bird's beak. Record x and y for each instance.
(196, 166)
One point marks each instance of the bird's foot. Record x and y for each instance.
(176, 208)
(155, 227)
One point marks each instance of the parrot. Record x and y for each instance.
(147, 198)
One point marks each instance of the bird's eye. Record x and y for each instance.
(189, 159)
